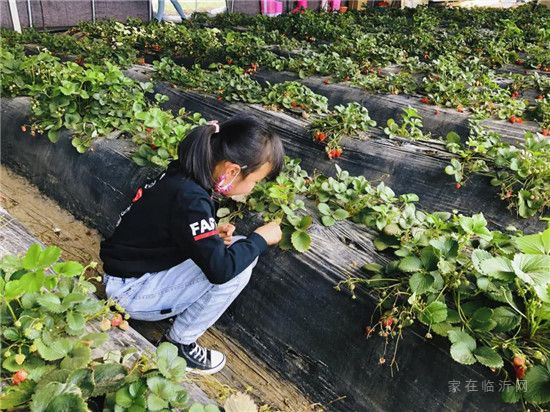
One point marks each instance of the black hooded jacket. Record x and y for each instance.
(172, 219)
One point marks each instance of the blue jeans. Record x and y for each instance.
(182, 291)
(160, 11)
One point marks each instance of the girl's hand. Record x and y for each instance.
(226, 232)
(271, 232)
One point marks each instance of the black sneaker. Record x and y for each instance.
(199, 360)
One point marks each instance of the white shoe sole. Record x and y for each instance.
(207, 371)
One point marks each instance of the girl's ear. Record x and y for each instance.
(232, 169)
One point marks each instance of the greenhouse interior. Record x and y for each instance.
(263, 206)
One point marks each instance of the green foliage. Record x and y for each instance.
(351, 120)
(522, 171)
(295, 97)
(411, 126)
(47, 348)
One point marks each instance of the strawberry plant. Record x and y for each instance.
(90, 101)
(48, 360)
(542, 112)
(294, 97)
(486, 291)
(351, 120)
(229, 82)
(323, 63)
(81, 49)
(522, 173)
(410, 128)
(162, 132)
(281, 200)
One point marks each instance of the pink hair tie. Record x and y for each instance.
(215, 124)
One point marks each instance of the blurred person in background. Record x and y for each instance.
(160, 11)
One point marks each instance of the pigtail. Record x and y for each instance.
(195, 157)
(243, 140)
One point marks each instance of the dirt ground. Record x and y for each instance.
(52, 225)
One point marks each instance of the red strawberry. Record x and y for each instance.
(539, 97)
(546, 69)
(518, 361)
(346, 79)
(424, 100)
(331, 154)
(515, 94)
(520, 372)
(513, 119)
(459, 108)
(519, 120)
(320, 136)
(155, 47)
(293, 104)
(520, 62)
(153, 146)
(387, 322)
(116, 320)
(248, 71)
(23, 129)
(19, 376)
(545, 132)
(149, 130)
(220, 98)
(254, 66)
(326, 81)
(458, 185)
(141, 60)
(508, 194)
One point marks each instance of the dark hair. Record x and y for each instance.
(243, 140)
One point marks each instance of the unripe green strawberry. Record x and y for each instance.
(392, 229)
(105, 325)
(19, 358)
(538, 355)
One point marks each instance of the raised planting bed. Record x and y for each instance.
(290, 314)
(437, 120)
(404, 165)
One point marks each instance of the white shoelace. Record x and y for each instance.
(198, 353)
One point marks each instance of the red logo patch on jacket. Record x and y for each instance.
(138, 195)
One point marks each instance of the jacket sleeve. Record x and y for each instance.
(193, 227)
